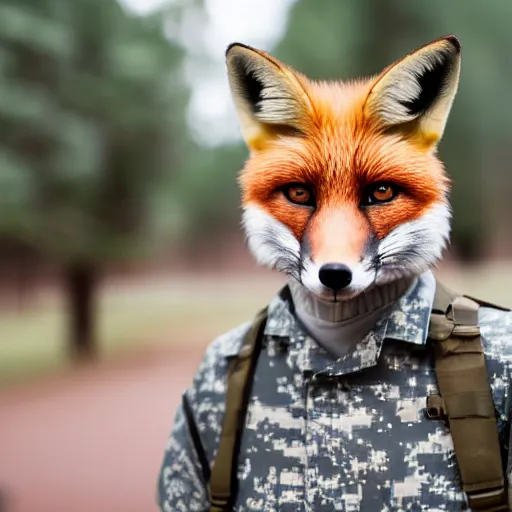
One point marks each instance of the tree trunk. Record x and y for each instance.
(81, 283)
(24, 282)
(468, 249)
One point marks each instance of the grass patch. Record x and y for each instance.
(175, 313)
(33, 342)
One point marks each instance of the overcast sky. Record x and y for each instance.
(258, 23)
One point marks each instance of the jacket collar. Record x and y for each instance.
(407, 321)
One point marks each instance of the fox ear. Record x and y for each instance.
(416, 93)
(269, 97)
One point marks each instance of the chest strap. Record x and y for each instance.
(465, 400)
(223, 480)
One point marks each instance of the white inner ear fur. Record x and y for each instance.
(278, 102)
(401, 85)
(280, 98)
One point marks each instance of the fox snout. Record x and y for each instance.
(335, 276)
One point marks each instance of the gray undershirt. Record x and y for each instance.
(339, 326)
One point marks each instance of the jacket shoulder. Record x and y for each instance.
(225, 345)
(214, 365)
(207, 394)
(496, 328)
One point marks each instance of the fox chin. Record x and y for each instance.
(343, 190)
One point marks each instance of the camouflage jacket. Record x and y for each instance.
(326, 434)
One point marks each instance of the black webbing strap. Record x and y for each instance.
(223, 480)
(465, 400)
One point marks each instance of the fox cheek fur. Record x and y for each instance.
(338, 141)
(408, 250)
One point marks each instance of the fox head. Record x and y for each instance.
(342, 189)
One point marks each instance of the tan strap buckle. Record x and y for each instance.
(436, 408)
(218, 505)
(490, 500)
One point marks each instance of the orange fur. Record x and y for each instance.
(348, 245)
(341, 152)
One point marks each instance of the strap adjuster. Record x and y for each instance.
(490, 500)
(219, 502)
(436, 408)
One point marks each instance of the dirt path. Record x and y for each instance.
(91, 441)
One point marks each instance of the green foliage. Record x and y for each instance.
(92, 109)
(209, 194)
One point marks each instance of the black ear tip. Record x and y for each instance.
(234, 46)
(454, 42)
(230, 47)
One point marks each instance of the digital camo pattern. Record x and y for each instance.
(326, 435)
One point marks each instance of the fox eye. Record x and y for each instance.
(299, 194)
(379, 193)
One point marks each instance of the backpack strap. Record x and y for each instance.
(223, 480)
(465, 399)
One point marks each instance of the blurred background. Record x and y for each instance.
(121, 254)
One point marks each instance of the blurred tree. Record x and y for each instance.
(208, 193)
(92, 112)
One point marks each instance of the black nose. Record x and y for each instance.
(335, 275)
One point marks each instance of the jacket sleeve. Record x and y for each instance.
(192, 445)
(182, 483)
